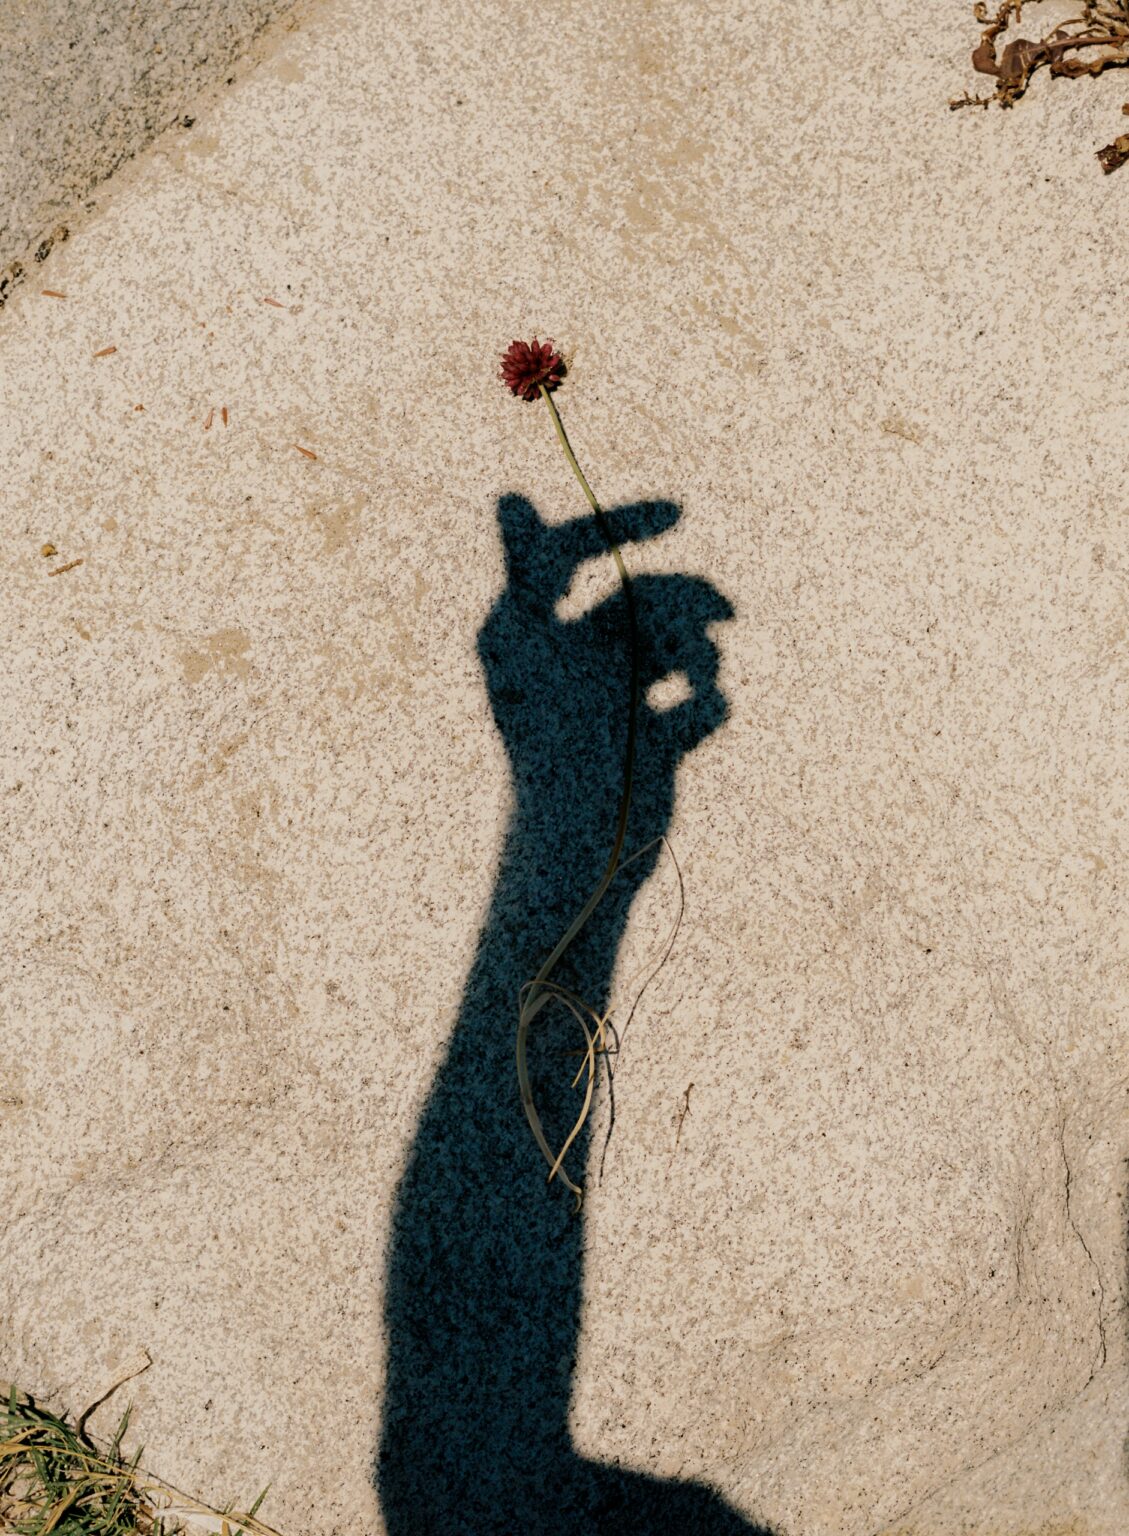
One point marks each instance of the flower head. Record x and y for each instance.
(525, 367)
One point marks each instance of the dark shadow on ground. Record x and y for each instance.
(484, 1282)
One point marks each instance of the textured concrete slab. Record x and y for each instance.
(83, 87)
(302, 770)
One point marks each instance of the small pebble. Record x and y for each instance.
(48, 550)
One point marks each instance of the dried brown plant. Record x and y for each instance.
(1086, 44)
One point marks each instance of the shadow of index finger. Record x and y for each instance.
(583, 539)
(545, 556)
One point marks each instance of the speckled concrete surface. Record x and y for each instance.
(253, 797)
(84, 86)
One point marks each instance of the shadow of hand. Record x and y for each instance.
(559, 688)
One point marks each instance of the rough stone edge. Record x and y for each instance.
(250, 53)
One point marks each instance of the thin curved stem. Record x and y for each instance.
(533, 1002)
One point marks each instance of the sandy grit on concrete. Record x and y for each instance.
(254, 794)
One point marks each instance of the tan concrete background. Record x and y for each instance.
(252, 798)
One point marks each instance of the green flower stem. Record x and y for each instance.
(537, 994)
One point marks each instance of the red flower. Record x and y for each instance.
(524, 367)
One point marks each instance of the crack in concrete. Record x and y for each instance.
(1102, 1354)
